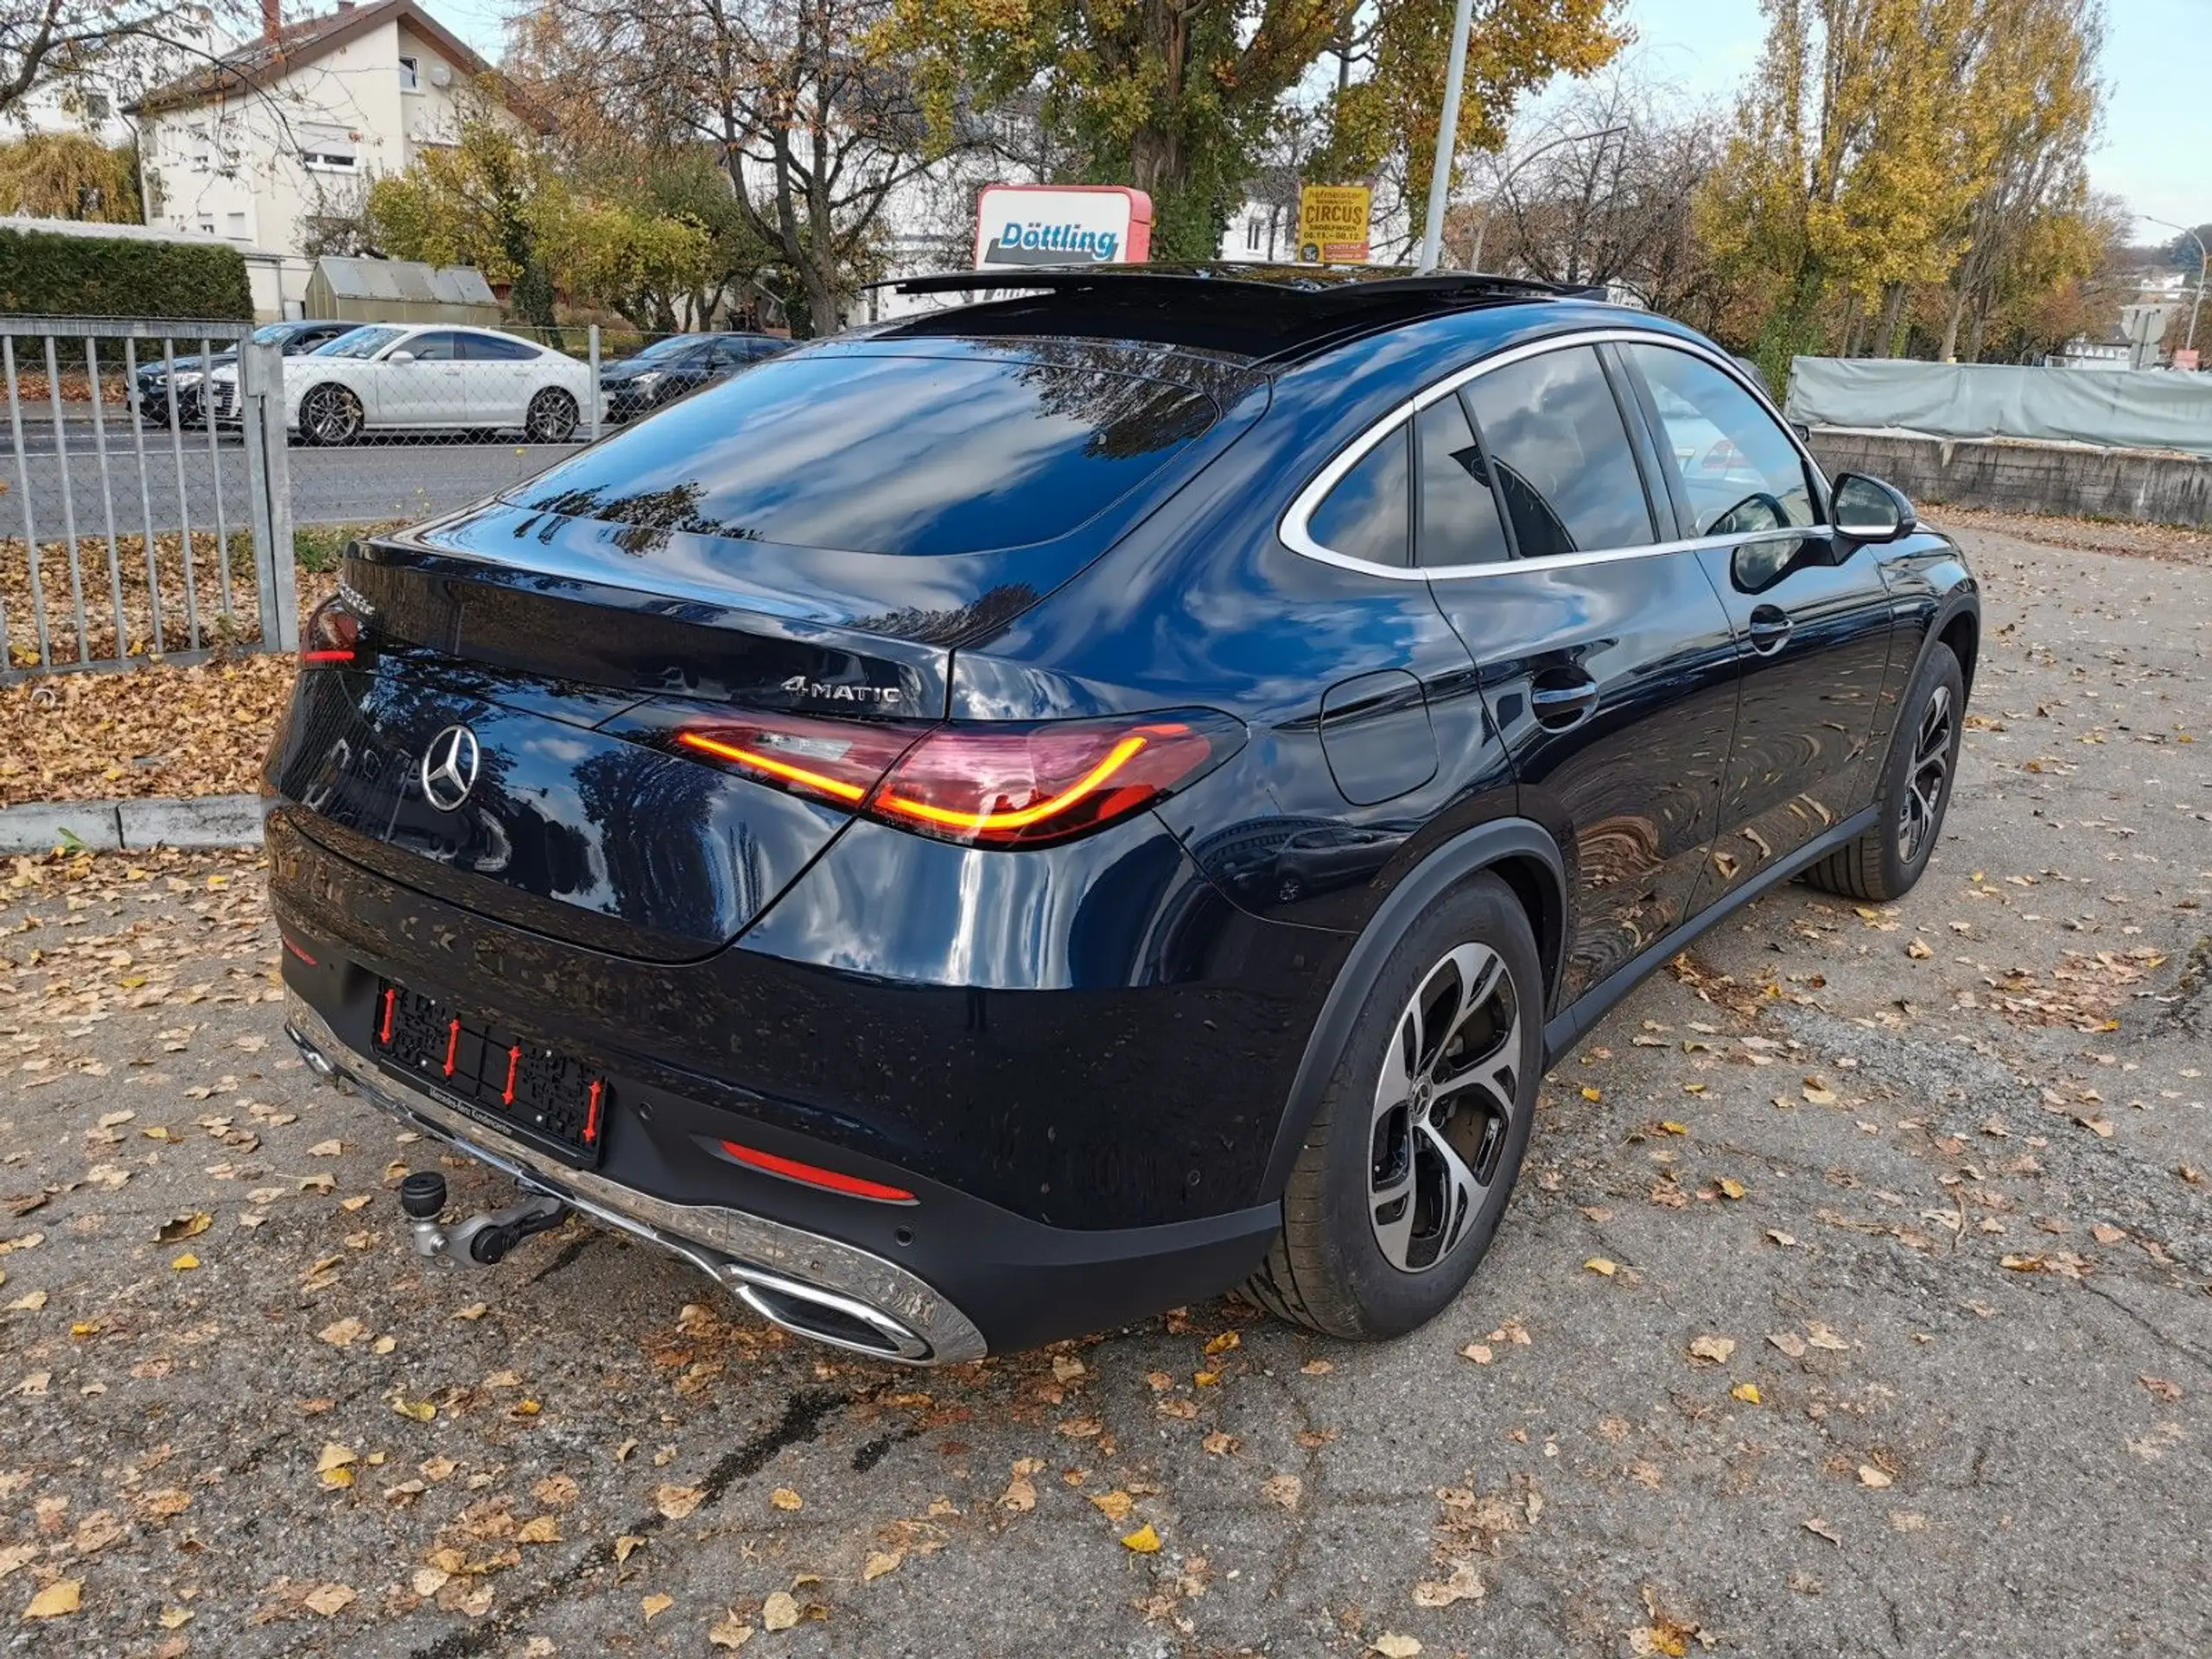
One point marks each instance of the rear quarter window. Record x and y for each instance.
(887, 453)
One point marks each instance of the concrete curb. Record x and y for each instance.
(133, 825)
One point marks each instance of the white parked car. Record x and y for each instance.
(432, 377)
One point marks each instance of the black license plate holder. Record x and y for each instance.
(495, 1074)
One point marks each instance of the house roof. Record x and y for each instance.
(404, 279)
(262, 62)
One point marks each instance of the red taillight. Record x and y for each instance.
(835, 761)
(986, 786)
(1022, 788)
(331, 634)
(814, 1175)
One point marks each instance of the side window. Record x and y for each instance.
(1458, 522)
(496, 348)
(1364, 517)
(1564, 471)
(431, 348)
(1736, 470)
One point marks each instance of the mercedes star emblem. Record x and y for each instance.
(449, 768)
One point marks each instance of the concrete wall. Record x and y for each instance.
(2017, 477)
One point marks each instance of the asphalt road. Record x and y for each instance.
(378, 480)
(1854, 1302)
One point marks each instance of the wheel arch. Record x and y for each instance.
(1520, 852)
(1962, 633)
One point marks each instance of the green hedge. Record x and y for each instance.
(42, 275)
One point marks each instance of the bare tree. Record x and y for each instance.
(1608, 202)
(815, 136)
(128, 43)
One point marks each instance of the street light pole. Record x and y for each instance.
(2196, 304)
(1447, 137)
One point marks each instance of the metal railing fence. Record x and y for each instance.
(157, 469)
(133, 528)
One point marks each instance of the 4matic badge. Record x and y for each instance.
(827, 691)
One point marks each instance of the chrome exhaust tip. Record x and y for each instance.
(317, 1061)
(825, 1316)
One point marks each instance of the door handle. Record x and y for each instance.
(1561, 703)
(1770, 629)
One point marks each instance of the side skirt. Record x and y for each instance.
(1567, 1028)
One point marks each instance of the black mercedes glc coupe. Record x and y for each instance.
(1007, 821)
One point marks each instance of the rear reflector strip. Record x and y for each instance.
(300, 954)
(326, 657)
(813, 1175)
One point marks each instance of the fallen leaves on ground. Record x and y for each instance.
(62, 1596)
(161, 729)
(1463, 1585)
(675, 1502)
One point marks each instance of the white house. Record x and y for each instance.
(290, 127)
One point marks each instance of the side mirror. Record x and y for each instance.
(1803, 431)
(1867, 509)
(403, 355)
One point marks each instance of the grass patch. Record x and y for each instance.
(319, 548)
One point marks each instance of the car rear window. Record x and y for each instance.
(886, 454)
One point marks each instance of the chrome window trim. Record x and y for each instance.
(1295, 534)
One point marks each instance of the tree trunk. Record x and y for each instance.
(1885, 341)
(1951, 325)
(1850, 339)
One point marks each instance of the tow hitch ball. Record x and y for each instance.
(482, 1239)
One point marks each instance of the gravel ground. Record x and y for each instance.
(1855, 1301)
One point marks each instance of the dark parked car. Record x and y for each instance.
(997, 824)
(667, 369)
(296, 338)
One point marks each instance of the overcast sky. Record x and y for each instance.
(2156, 152)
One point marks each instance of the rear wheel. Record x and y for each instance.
(1884, 863)
(331, 414)
(552, 418)
(1411, 1159)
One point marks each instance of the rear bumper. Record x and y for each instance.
(801, 1281)
(969, 1278)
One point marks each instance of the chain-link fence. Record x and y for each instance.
(396, 422)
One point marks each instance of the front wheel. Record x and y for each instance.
(552, 418)
(1884, 863)
(1411, 1158)
(331, 414)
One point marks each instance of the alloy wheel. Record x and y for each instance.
(330, 415)
(1930, 776)
(1443, 1106)
(552, 418)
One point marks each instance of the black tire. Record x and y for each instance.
(1330, 1267)
(330, 415)
(1917, 775)
(552, 418)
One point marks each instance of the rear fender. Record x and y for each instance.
(1484, 848)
